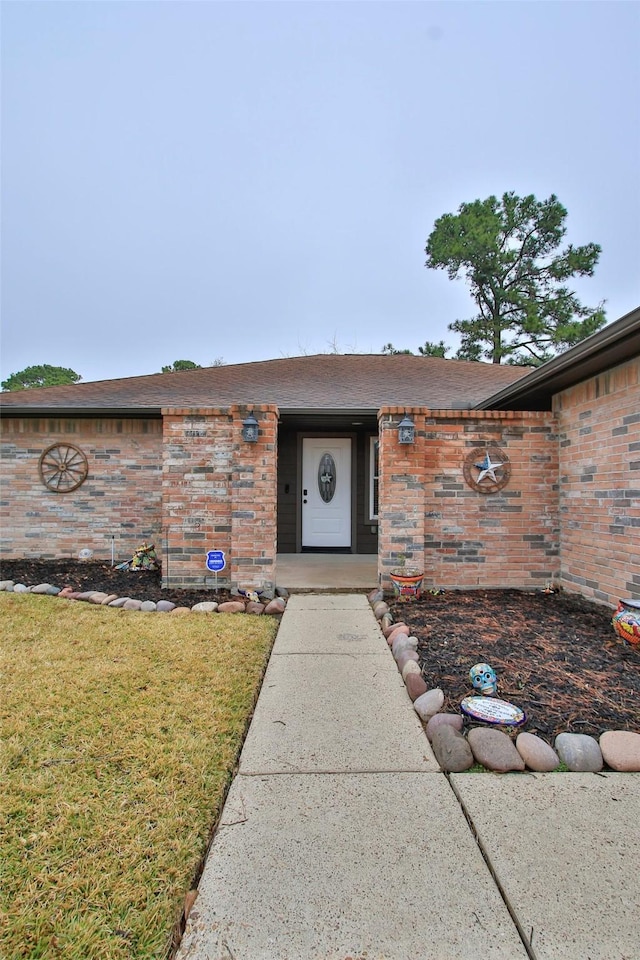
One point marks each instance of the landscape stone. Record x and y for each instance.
(7, 585)
(267, 594)
(275, 607)
(20, 588)
(579, 752)
(536, 753)
(255, 608)
(410, 667)
(282, 592)
(379, 609)
(97, 597)
(405, 656)
(66, 592)
(84, 595)
(494, 750)
(451, 750)
(208, 606)
(621, 750)
(108, 600)
(148, 606)
(429, 704)
(46, 588)
(132, 605)
(180, 611)
(165, 606)
(229, 606)
(119, 602)
(403, 643)
(398, 629)
(444, 719)
(386, 621)
(415, 685)
(375, 596)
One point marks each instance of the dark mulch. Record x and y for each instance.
(96, 575)
(556, 656)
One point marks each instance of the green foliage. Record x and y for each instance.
(392, 351)
(179, 365)
(43, 375)
(431, 349)
(508, 251)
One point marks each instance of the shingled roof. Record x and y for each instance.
(325, 382)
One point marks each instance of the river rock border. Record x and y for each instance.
(489, 747)
(275, 607)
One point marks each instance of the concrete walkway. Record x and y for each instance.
(342, 840)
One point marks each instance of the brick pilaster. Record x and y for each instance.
(253, 500)
(401, 527)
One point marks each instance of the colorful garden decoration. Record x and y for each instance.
(492, 710)
(483, 677)
(626, 621)
(143, 559)
(407, 585)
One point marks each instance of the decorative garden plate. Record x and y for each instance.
(492, 710)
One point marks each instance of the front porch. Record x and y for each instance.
(334, 572)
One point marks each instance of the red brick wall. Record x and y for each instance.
(599, 425)
(219, 493)
(121, 496)
(461, 538)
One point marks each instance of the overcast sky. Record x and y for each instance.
(255, 180)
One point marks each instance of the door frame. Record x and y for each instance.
(326, 435)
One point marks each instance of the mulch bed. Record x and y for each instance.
(556, 656)
(96, 575)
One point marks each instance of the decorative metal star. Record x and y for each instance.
(488, 468)
(490, 474)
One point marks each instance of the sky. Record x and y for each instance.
(242, 181)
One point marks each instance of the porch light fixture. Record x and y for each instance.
(250, 429)
(406, 430)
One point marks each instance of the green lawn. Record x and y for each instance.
(120, 733)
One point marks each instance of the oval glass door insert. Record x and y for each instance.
(327, 477)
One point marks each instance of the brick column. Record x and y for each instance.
(401, 509)
(254, 500)
(196, 496)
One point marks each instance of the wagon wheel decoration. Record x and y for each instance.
(488, 470)
(63, 467)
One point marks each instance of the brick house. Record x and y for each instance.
(511, 478)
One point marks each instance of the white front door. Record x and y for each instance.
(326, 492)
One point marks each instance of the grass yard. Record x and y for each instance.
(120, 734)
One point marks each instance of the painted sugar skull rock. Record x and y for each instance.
(484, 680)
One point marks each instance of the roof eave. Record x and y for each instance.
(614, 344)
(137, 413)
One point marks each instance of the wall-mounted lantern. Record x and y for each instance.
(406, 430)
(250, 429)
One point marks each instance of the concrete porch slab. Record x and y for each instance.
(334, 867)
(334, 713)
(326, 571)
(566, 850)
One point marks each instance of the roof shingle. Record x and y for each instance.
(321, 382)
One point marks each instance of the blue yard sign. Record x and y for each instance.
(216, 560)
